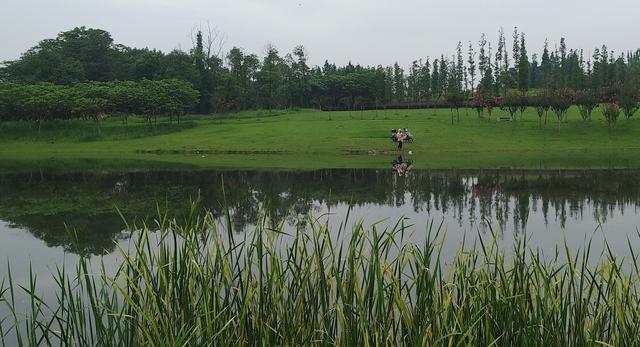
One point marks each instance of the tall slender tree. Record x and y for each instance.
(516, 58)
(459, 67)
(523, 66)
(545, 66)
(471, 67)
(399, 83)
(436, 90)
(426, 81)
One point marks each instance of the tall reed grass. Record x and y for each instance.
(194, 283)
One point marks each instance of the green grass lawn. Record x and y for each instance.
(309, 139)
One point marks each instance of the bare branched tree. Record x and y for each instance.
(213, 39)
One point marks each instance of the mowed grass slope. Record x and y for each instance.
(314, 139)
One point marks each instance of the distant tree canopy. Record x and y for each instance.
(90, 100)
(236, 80)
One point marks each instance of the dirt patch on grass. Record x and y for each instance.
(205, 151)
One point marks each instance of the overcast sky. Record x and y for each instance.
(368, 32)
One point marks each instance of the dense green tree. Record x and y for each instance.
(628, 100)
(458, 70)
(511, 102)
(149, 65)
(425, 81)
(471, 67)
(586, 101)
(179, 65)
(77, 55)
(545, 67)
(534, 73)
(542, 103)
(443, 75)
(399, 83)
(523, 66)
(501, 65)
(243, 70)
(560, 101)
(413, 88)
(436, 88)
(514, 72)
(300, 77)
(271, 89)
(564, 66)
(611, 111)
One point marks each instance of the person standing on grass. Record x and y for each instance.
(400, 137)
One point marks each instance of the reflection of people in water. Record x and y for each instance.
(401, 166)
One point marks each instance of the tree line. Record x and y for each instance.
(94, 100)
(237, 80)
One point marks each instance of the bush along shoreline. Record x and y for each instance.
(197, 283)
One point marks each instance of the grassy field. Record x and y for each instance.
(309, 139)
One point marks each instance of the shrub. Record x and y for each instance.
(611, 111)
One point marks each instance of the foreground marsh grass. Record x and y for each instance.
(195, 283)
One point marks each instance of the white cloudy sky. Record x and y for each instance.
(364, 31)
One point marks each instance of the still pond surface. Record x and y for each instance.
(37, 208)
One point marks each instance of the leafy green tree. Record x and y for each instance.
(545, 66)
(178, 65)
(511, 103)
(301, 74)
(76, 55)
(180, 97)
(515, 73)
(436, 88)
(542, 104)
(458, 70)
(413, 87)
(561, 101)
(46, 62)
(534, 73)
(243, 71)
(425, 81)
(586, 100)
(471, 67)
(149, 65)
(484, 65)
(478, 104)
(501, 65)
(204, 79)
(523, 66)
(454, 95)
(611, 111)
(399, 83)
(563, 72)
(629, 100)
(271, 89)
(443, 75)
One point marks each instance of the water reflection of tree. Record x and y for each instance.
(41, 202)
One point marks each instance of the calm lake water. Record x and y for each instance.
(37, 208)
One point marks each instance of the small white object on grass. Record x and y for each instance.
(410, 152)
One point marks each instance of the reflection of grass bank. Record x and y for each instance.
(312, 139)
(201, 286)
(195, 159)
